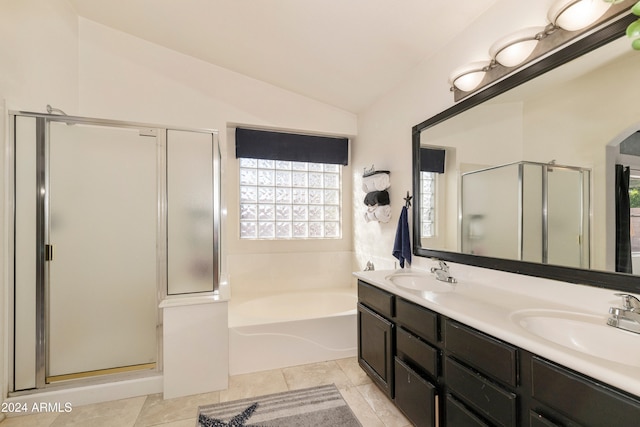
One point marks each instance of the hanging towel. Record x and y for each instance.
(377, 198)
(377, 181)
(402, 244)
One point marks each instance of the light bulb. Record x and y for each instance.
(469, 77)
(515, 48)
(573, 15)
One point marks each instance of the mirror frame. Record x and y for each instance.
(604, 279)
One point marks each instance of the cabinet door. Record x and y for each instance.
(415, 396)
(375, 347)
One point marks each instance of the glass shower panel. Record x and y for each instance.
(491, 213)
(102, 292)
(565, 207)
(25, 253)
(190, 212)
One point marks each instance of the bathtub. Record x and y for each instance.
(293, 328)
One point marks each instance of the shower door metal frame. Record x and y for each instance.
(43, 250)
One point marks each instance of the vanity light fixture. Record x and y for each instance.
(469, 77)
(567, 19)
(574, 15)
(515, 48)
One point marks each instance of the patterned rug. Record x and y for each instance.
(312, 407)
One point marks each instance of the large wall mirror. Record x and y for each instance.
(528, 182)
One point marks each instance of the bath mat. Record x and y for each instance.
(311, 407)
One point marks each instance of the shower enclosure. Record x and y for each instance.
(527, 211)
(109, 218)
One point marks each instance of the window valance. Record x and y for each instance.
(259, 144)
(432, 160)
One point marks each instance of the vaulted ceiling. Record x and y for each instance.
(346, 53)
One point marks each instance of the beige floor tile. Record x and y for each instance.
(382, 406)
(360, 407)
(156, 410)
(353, 371)
(316, 374)
(35, 420)
(367, 402)
(253, 385)
(117, 413)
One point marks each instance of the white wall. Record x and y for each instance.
(39, 51)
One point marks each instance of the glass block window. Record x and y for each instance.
(428, 204)
(289, 200)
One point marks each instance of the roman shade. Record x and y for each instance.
(259, 144)
(432, 160)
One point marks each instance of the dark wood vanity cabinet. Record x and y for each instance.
(440, 372)
(376, 335)
(393, 350)
(375, 347)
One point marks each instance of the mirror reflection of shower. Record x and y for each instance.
(527, 211)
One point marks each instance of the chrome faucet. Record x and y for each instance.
(442, 272)
(626, 317)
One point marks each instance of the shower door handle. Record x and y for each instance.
(48, 252)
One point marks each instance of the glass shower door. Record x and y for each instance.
(102, 274)
(567, 217)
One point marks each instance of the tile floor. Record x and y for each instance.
(371, 407)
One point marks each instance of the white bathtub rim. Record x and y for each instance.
(240, 320)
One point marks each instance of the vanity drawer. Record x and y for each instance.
(484, 353)
(415, 396)
(537, 420)
(414, 351)
(419, 320)
(487, 398)
(580, 398)
(376, 299)
(459, 416)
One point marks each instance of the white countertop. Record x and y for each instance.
(488, 300)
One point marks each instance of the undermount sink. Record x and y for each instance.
(419, 282)
(585, 333)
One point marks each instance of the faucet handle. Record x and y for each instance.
(442, 267)
(629, 302)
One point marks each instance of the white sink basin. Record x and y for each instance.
(419, 282)
(582, 332)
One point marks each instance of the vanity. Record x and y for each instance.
(474, 354)
(523, 340)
